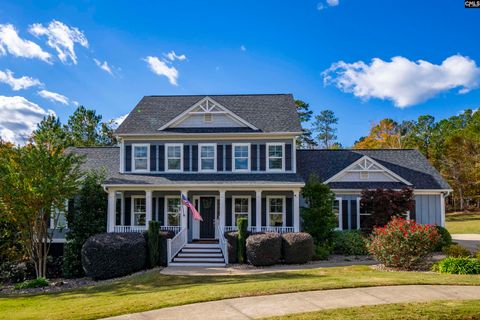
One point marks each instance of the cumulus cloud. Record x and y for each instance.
(243, 48)
(160, 68)
(11, 42)
(116, 122)
(18, 83)
(62, 38)
(327, 3)
(103, 65)
(403, 81)
(172, 56)
(18, 118)
(53, 96)
(333, 3)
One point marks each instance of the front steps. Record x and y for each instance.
(199, 255)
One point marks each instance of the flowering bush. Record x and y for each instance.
(402, 244)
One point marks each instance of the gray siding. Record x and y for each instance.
(428, 209)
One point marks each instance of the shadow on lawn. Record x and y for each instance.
(463, 216)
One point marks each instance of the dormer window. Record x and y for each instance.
(174, 157)
(140, 157)
(207, 117)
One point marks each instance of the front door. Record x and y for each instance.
(207, 211)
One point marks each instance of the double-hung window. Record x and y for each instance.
(241, 156)
(241, 208)
(139, 209)
(275, 156)
(174, 157)
(140, 157)
(208, 157)
(364, 215)
(173, 211)
(276, 211)
(337, 211)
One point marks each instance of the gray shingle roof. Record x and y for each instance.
(408, 163)
(152, 112)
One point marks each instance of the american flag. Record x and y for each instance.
(190, 206)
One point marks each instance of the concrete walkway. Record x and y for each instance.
(283, 304)
(469, 241)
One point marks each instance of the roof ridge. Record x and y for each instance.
(220, 95)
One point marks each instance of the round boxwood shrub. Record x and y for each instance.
(232, 240)
(110, 255)
(264, 249)
(297, 247)
(445, 238)
(350, 242)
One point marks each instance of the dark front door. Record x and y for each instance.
(207, 211)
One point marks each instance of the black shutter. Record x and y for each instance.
(219, 157)
(345, 214)
(228, 212)
(413, 214)
(288, 157)
(228, 157)
(154, 209)
(263, 157)
(128, 158)
(161, 158)
(253, 212)
(161, 210)
(118, 212)
(353, 214)
(289, 212)
(264, 211)
(186, 158)
(194, 158)
(153, 157)
(127, 211)
(253, 157)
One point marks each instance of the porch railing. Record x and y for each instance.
(223, 242)
(175, 229)
(176, 244)
(122, 229)
(263, 229)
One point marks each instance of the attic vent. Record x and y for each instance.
(207, 117)
(364, 175)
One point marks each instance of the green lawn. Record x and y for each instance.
(463, 222)
(462, 309)
(153, 290)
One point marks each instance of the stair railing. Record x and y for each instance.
(223, 242)
(176, 244)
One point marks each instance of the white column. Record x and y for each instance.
(258, 208)
(111, 211)
(442, 209)
(122, 209)
(148, 207)
(296, 211)
(184, 212)
(222, 208)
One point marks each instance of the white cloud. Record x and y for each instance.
(53, 96)
(333, 3)
(11, 42)
(103, 65)
(172, 56)
(327, 3)
(18, 118)
(243, 48)
(18, 83)
(62, 38)
(116, 122)
(160, 68)
(403, 81)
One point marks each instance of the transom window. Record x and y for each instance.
(173, 211)
(140, 157)
(241, 157)
(241, 208)
(174, 157)
(139, 211)
(276, 211)
(275, 156)
(337, 211)
(207, 157)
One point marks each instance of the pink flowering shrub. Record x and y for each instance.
(402, 244)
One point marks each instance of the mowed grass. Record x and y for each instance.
(463, 222)
(460, 309)
(152, 290)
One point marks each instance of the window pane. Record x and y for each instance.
(208, 164)
(139, 205)
(173, 164)
(173, 219)
(139, 219)
(207, 152)
(140, 152)
(336, 210)
(241, 151)
(276, 220)
(241, 205)
(275, 163)
(276, 205)
(141, 164)
(239, 216)
(275, 151)
(173, 151)
(173, 205)
(241, 164)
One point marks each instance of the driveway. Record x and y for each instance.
(469, 241)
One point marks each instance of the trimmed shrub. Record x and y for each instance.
(110, 255)
(153, 243)
(322, 252)
(297, 247)
(35, 283)
(164, 235)
(232, 240)
(350, 242)
(264, 249)
(242, 224)
(456, 251)
(402, 244)
(445, 238)
(458, 266)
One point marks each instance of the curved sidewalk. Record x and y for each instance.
(287, 303)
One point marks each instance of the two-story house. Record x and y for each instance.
(235, 155)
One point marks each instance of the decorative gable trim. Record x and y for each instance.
(366, 165)
(206, 106)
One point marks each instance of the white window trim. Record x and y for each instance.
(132, 210)
(133, 157)
(249, 157)
(234, 214)
(284, 209)
(166, 156)
(358, 212)
(214, 145)
(340, 213)
(268, 158)
(165, 210)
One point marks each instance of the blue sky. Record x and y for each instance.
(240, 47)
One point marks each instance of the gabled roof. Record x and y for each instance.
(409, 164)
(268, 113)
